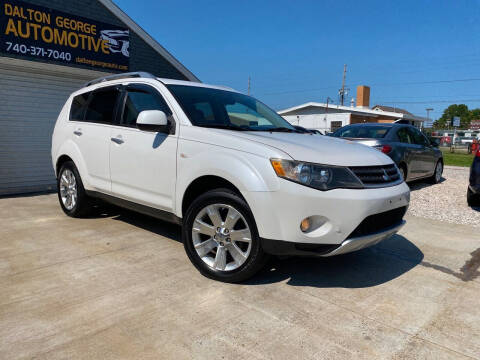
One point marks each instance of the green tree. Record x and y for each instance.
(460, 110)
(475, 114)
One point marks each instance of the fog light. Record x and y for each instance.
(305, 224)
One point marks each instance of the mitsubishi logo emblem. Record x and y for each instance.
(385, 175)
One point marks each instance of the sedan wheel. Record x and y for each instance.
(437, 175)
(438, 172)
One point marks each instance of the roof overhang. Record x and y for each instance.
(352, 110)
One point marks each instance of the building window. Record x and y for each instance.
(335, 125)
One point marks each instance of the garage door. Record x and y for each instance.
(29, 105)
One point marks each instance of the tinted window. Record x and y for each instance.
(101, 107)
(79, 104)
(206, 109)
(404, 136)
(139, 100)
(364, 132)
(418, 137)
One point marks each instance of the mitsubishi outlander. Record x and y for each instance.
(241, 180)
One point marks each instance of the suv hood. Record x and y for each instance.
(319, 149)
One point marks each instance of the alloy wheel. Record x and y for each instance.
(68, 189)
(221, 237)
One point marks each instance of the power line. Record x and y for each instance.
(428, 102)
(384, 84)
(392, 68)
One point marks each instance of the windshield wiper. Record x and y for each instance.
(284, 129)
(223, 126)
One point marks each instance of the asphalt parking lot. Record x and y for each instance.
(119, 285)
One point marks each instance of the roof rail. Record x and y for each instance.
(138, 74)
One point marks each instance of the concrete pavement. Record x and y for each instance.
(119, 286)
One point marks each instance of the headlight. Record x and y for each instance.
(322, 177)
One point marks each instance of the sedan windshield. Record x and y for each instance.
(363, 132)
(222, 109)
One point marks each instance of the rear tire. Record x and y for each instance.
(221, 238)
(473, 200)
(71, 193)
(437, 173)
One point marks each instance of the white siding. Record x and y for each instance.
(320, 122)
(30, 100)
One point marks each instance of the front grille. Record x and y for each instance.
(379, 222)
(376, 175)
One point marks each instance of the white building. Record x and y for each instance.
(329, 117)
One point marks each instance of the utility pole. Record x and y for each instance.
(249, 85)
(326, 114)
(428, 115)
(342, 92)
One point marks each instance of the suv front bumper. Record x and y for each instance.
(286, 248)
(278, 215)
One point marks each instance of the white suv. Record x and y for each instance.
(241, 180)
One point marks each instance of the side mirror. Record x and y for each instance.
(152, 120)
(435, 142)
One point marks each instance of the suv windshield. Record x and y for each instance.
(216, 108)
(364, 132)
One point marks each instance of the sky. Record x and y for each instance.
(414, 54)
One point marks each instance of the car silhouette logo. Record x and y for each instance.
(118, 41)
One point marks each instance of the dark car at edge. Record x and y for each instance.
(473, 192)
(415, 155)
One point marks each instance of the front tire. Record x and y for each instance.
(221, 238)
(473, 200)
(71, 193)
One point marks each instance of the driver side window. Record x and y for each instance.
(139, 99)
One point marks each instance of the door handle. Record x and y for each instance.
(117, 140)
(78, 132)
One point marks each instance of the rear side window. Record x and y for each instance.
(404, 136)
(79, 105)
(140, 99)
(101, 107)
(418, 137)
(364, 132)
